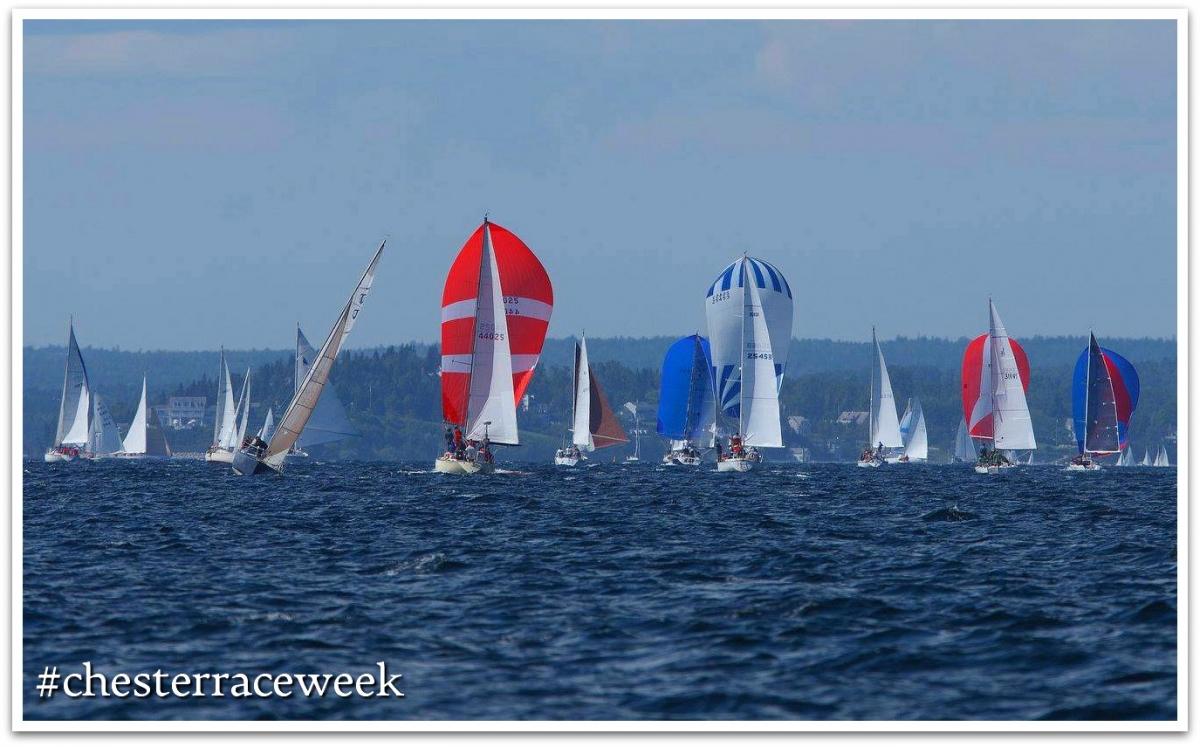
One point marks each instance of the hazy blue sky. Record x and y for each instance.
(195, 184)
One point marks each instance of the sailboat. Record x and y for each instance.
(329, 421)
(913, 433)
(1146, 460)
(1126, 458)
(594, 424)
(995, 376)
(1104, 394)
(137, 443)
(104, 439)
(749, 310)
(225, 422)
(243, 412)
(1161, 460)
(685, 401)
(496, 306)
(74, 428)
(260, 455)
(883, 428)
(637, 433)
(964, 447)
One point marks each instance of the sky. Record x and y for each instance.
(190, 184)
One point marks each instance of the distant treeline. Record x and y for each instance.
(393, 396)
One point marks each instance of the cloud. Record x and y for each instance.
(219, 52)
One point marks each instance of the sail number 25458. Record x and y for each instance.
(758, 356)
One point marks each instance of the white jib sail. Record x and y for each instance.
(135, 439)
(80, 431)
(491, 406)
(106, 439)
(916, 443)
(268, 426)
(1012, 427)
(582, 426)
(303, 402)
(885, 428)
(760, 388)
(73, 425)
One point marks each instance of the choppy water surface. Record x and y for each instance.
(797, 592)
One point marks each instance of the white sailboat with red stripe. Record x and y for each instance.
(496, 306)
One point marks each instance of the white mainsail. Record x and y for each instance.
(135, 439)
(884, 427)
(226, 425)
(329, 421)
(749, 313)
(243, 411)
(912, 428)
(581, 432)
(1146, 460)
(491, 401)
(305, 400)
(1001, 392)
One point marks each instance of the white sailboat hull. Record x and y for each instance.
(736, 464)
(55, 456)
(452, 466)
(870, 462)
(1093, 467)
(220, 456)
(566, 461)
(676, 459)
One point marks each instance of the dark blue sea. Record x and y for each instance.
(796, 592)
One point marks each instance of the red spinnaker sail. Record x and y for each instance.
(972, 375)
(528, 301)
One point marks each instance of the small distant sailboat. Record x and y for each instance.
(1146, 460)
(1104, 394)
(225, 422)
(637, 433)
(268, 427)
(75, 408)
(1161, 460)
(496, 306)
(259, 454)
(138, 443)
(1126, 458)
(749, 311)
(995, 376)
(913, 433)
(883, 429)
(594, 424)
(685, 400)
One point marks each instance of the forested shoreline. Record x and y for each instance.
(392, 394)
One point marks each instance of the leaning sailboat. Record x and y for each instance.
(594, 425)
(75, 408)
(883, 429)
(260, 455)
(496, 306)
(685, 400)
(1104, 394)
(749, 311)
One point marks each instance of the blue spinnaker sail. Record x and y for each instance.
(1103, 403)
(685, 402)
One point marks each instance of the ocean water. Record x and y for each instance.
(796, 592)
